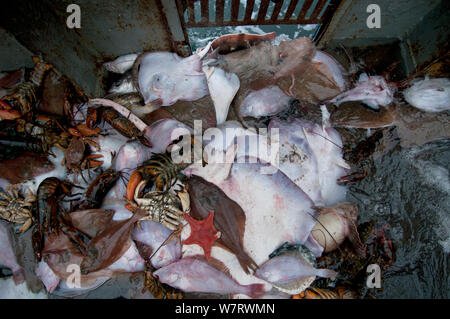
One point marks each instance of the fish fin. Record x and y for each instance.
(342, 163)
(297, 286)
(354, 238)
(326, 273)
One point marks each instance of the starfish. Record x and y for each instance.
(203, 233)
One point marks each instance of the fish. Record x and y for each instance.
(222, 87)
(272, 203)
(291, 273)
(163, 132)
(232, 42)
(47, 276)
(429, 95)
(371, 90)
(109, 245)
(8, 258)
(15, 172)
(194, 274)
(414, 126)
(266, 65)
(154, 235)
(123, 85)
(335, 224)
(228, 217)
(311, 156)
(122, 64)
(265, 102)
(164, 78)
(331, 68)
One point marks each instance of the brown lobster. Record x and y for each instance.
(51, 218)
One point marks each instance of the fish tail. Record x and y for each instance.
(255, 291)
(19, 276)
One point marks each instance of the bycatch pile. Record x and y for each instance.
(223, 173)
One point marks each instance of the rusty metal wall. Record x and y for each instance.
(108, 29)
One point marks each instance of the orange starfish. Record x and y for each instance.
(203, 233)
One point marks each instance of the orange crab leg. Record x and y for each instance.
(134, 181)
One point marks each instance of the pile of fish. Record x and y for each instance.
(96, 187)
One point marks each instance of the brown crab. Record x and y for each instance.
(166, 208)
(16, 208)
(75, 159)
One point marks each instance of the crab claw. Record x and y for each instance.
(134, 181)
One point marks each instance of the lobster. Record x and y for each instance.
(119, 122)
(51, 218)
(24, 96)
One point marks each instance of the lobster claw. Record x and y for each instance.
(134, 181)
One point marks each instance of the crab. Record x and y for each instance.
(75, 159)
(16, 208)
(164, 207)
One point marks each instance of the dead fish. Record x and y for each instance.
(266, 65)
(311, 156)
(333, 69)
(429, 95)
(232, 42)
(164, 78)
(414, 127)
(264, 197)
(335, 224)
(7, 256)
(222, 87)
(265, 102)
(229, 217)
(371, 90)
(194, 274)
(122, 63)
(291, 273)
(154, 235)
(47, 276)
(108, 246)
(123, 85)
